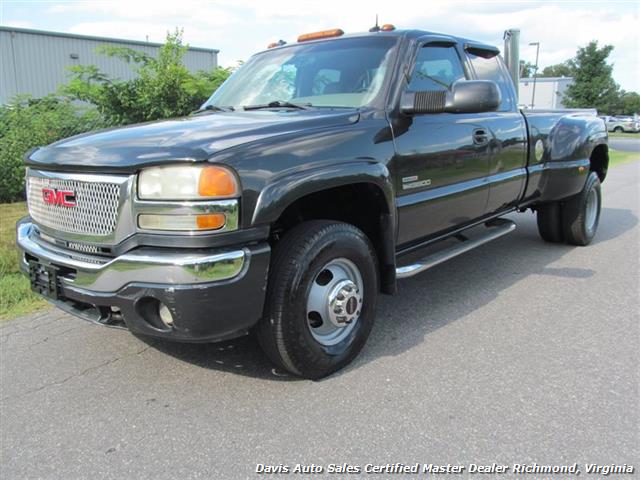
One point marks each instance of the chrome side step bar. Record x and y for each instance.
(495, 229)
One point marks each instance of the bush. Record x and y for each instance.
(26, 123)
(164, 87)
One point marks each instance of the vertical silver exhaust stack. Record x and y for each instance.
(512, 56)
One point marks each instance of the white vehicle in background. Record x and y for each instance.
(621, 124)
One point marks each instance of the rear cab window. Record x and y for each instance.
(488, 66)
(326, 81)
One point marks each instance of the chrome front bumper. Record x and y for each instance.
(144, 265)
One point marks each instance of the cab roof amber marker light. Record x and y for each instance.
(279, 43)
(334, 32)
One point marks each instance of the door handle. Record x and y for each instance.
(480, 136)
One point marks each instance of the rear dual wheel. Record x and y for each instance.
(321, 298)
(550, 222)
(574, 221)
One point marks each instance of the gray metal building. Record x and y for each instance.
(549, 91)
(35, 61)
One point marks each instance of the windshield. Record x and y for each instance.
(340, 73)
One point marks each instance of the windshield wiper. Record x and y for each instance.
(213, 108)
(278, 103)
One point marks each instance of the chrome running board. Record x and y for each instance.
(495, 229)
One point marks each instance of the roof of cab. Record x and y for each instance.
(411, 34)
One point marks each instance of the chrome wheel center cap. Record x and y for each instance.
(345, 303)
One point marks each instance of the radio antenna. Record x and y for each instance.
(375, 28)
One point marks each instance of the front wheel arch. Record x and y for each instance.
(363, 204)
(278, 195)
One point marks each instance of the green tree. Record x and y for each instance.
(564, 69)
(527, 69)
(593, 85)
(630, 103)
(163, 88)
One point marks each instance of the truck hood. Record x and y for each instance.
(189, 139)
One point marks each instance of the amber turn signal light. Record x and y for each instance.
(217, 182)
(210, 221)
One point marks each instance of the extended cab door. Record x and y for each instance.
(442, 160)
(506, 130)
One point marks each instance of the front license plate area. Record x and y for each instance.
(44, 280)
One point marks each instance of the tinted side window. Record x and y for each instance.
(491, 69)
(437, 68)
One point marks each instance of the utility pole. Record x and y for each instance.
(535, 73)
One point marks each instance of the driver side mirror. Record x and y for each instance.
(466, 96)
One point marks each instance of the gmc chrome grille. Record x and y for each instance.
(95, 211)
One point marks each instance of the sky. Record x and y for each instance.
(239, 28)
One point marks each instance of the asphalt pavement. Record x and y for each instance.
(625, 144)
(519, 351)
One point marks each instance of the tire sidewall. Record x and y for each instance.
(339, 243)
(592, 184)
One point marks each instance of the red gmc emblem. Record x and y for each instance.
(65, 198)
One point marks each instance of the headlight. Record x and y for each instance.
(190, 182)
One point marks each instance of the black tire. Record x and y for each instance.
(578, 226)
(618, 129)
(297, 260)
(550, 222)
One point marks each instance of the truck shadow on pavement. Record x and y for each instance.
(424, 303)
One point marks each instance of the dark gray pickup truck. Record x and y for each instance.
(318, 175)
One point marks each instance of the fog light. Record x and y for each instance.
(165, 315)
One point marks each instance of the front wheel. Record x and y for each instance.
(321, 298)
(581, 214)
